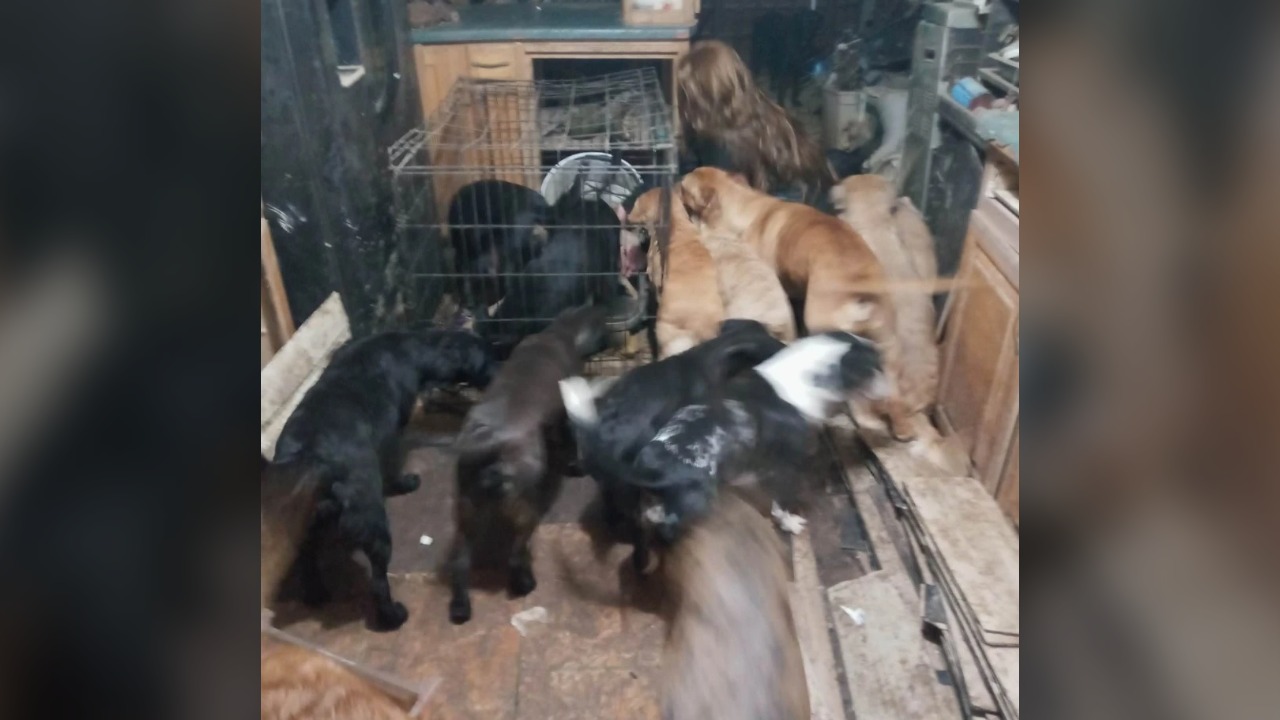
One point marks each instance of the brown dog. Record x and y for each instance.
(822, 263)
(897, 234)
(689, 305)
(298, 684)
(749, 287)
(731, 649)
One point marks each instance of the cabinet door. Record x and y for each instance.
(978, 390)
(509, 148)
(438, 67)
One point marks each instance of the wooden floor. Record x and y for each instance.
(598, 654)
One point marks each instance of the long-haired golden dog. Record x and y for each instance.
(689, 305)
(897, 234)
(822, 262)
(749, 287)
(721, 104)
(731, 650)
(298, 684)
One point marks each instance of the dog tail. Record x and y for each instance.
(478, 435)
(580, 405)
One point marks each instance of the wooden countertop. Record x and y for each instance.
(552, 23)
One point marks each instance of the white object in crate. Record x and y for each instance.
(605, 177)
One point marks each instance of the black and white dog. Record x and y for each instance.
(346, 433)
(760, 425)
(634, 407)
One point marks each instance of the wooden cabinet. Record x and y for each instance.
(439, 66)
(978, 385)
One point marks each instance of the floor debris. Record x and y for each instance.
(858, 617)
(425, 540)
(521, 619)
(793, 524)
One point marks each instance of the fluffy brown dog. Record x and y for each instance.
(689, 306)
(749, 287)
(897, 234)
(731, 648)
(298, 684)
(721, 106)
(822, 262)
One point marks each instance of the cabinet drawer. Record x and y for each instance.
(494, 61)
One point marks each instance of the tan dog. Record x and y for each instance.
(821, 261)
(689, 306)
(749, 287)
(897, 234)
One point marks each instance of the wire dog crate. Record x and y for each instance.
(510, 204)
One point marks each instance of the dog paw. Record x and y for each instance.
(407, 483)
(391, 618)
(459, 610)
(521, 582)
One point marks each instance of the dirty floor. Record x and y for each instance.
(598, 653)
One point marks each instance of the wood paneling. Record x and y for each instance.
(1007, 492)
(978, 386)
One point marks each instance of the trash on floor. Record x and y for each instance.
(858, 617)
(792, 524)
(521, 619)
(425, 540)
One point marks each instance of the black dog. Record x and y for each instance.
(784, 46)
(761, 425)
(579, 265)
(495, 228)
(347, 428)
(637, 405)
(514, 448)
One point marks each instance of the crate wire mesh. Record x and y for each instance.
(558, 159)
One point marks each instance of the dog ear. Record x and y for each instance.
(700, 200)
(739, 178)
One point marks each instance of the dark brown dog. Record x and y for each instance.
(514, 447)
(731, 648)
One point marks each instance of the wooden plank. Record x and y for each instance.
(889, 676)
(865, 490)
(296, 367)
(808, 608)
(277, 318)
(977, 686)
(977, 547)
